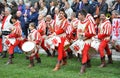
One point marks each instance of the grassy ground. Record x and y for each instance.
(20, 70)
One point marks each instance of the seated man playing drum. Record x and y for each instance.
(35, 37)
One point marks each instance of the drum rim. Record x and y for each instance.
(28, 42)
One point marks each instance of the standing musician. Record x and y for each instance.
(6, 25)
(104, 32)
(42, 30)
(86, 30)
(34, 36)
(60, 29)
(14, 38)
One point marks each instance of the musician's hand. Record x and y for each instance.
(12, 28)
(6, 37)
(72, 41)
(81, 35)
(96, 36)
(52, 35)
(113, 41)
(49, 36)
(44, 36)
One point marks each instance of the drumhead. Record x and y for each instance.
(28, 46)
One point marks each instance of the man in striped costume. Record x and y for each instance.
(42, 30)
(49, 25)
(49, 30)
(60, 28)
(85, 31)
(34, 36)
(14, 38)
(104, 32)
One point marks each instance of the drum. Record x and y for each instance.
(52, 42)
(28, 47)
(77, 47)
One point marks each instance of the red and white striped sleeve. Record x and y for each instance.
(106, 30)
(62, 27)
(17, 31)
(37, 37)
(90, 31)
(42, 28)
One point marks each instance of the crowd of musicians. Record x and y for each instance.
(57, 26)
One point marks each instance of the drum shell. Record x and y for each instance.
(28, 47)
(78, 43)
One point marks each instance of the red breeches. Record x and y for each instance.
(104, 47)
(17, 43)
(85, 55)
(61, 51)
(0, 45)
(43, 45)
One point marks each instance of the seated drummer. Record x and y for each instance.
(34, 36)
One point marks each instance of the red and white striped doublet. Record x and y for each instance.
(91, 19)
(16, 31)
(60, 26)
(50, 26)
(60, 30)
(104, 30)
(34, 36)
(72, 28)
(42, 27)
(15, 37)
(73, 23)
(69, 29)
(87, 28)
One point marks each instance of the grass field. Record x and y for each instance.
(20, 70)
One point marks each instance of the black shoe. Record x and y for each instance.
(4, 54)
(27, 57)
(1, 54)
(38, 60)
(12, 55)
(48, 53)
